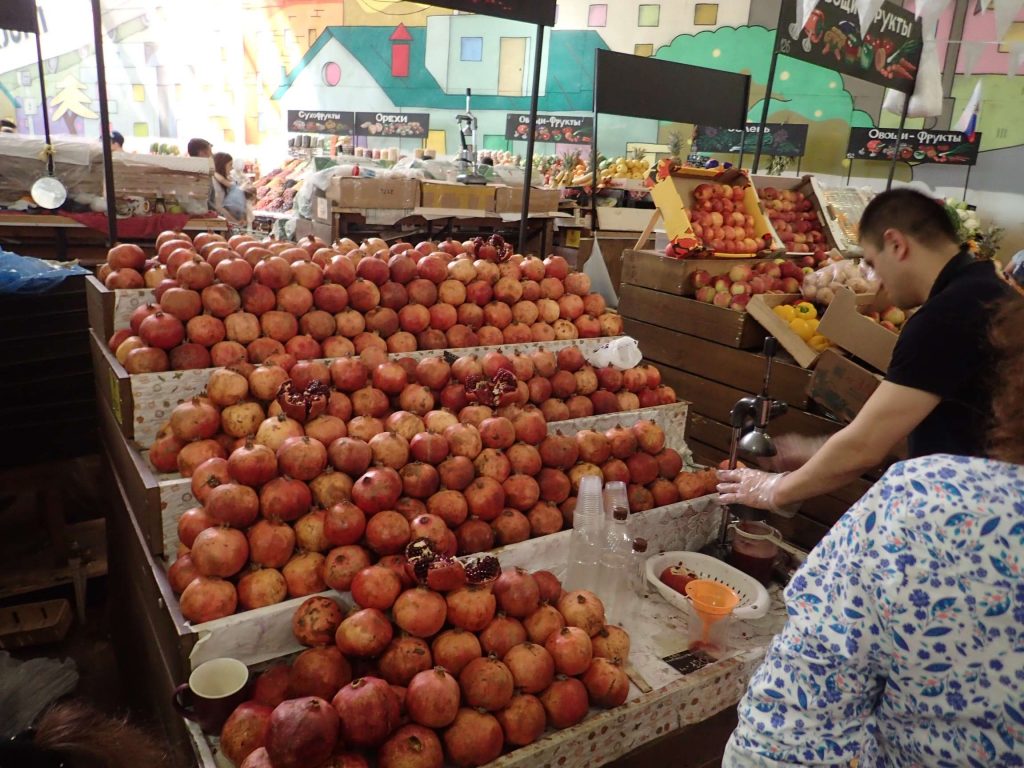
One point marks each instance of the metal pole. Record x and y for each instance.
(101, 85)
(899, 140)
(531, 137)
(46, 109)
(594, 155)
(849, 171)
(768, 93)
(967, 180)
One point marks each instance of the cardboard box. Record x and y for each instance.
(686, 180)
(845, 326)
(841, 386)
(510, 200)
(357, 192)
(455, 196)
(810, 187)
(624, 219)
(718, 324)
(760, 307)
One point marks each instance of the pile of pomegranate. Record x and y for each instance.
(298, 496)
(417, 675)
(219, 302)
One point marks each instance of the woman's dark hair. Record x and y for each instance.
(75, 735)
(197, 146)
(116, 137)
(220, 162)
(916, 215)
(1006, 438)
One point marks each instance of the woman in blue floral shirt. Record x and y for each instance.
(905, 640)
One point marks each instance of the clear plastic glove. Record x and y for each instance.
(792, 451)
(752, 488)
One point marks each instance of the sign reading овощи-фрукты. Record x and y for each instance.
(562, 129)
(888, 54)
(915, 146)
(321, 121)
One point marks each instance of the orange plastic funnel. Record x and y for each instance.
(712, 602)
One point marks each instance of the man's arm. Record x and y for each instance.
(889, 415)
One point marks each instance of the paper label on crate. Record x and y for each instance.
(686, 662)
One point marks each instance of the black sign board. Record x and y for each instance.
(532, 11)
(889, 54)
(18, 15)
(557, 128)
(320, 121)
(945, 147)
(393, 125)
(638, 86)
(780, 139)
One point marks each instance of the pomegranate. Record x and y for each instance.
(309, 532)
(453, 649)
(565, 702)
(411, 746)
(181, 573)
(554, 410)
(611, 643)
(640, 499)
(232, 504)
(219, 552)
(342, 564)
(387, 532)
(532, 667)
(364, 633)
(208, 598)
(271, 543)
(511, 527)
(124, 278)
(376, 587)
(253, 464)
(261, 587)
(523, 721)
(473, 739)
(581, 470)
(432, 697)
(420, 612)
(344, 524)
(485, 498)
(545, 519)
(663, 492)
(192, 455)
(270, 687)
(502, 634)
(486, 683)
(650, 437)
(209, 475)
(571, 650)
(471, 608)
(284, 499)
(163, 454)
(303, 574)
(549, 585)
(403, 659)
(582, 609)
(450, 506)
(492, 463)
(643, 468)
(319, 672)
(377, 490)
(474, 536)
(302, 458)
(606, 683)
(245, 731)
(365, 428)
(559, 451)
(543, 623)
(554, 485)
(302, 732)
(369, 712)
(627, 401)
(274, 431)
(389, 450)
(517, 593)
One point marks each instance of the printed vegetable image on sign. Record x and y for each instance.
(402, 125)
(920, 146)
(555, 128)
(888, 54)
(780, 139)
(320, 121)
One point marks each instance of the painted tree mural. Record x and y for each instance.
(71, 102)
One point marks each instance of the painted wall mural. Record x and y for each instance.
(230, 70)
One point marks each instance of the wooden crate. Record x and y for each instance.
(28, 624)
(651, 269)
(109, 310)
(678, 313)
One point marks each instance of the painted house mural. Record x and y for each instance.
(229, 70)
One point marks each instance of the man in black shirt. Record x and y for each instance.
(936, 392)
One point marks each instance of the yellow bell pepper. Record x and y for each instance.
(819, 343)
(786, 311)
(801, 328)
(806, 310)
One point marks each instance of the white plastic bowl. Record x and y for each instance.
(754, 600)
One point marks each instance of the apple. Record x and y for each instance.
(706, 294)
(894, 315)
(740, 273)
(758, 285)
(722, 299)
(889, 326)
(677, 577)
(700, 278)
(722, 283)
(790, 285)
(739, 303)
(808, 270)
(740, 289)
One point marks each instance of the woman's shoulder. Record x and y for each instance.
(940, 471)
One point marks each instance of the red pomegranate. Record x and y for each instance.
(302, 732)
(271, 543)
(471, 608)
(453, 649)
(474, 536)
(403, 659)
(368, 710)
(420, 612)
(285, 499)
(320, 672)
(377, 490)
(606, 683)
(532, 667)
(486, 683)
(582, 609)
(611, 643)
(411, 746)
(432, 698)
(571, 650)
(565, 702)
(342, 564)
(364, 633)
(517, 593)
(502, 634)
(474, 738)
(208, 598)
(304, 574)
(219, 552)
(271, 686)
(245, 731)
(344, 524)
(523, 720)
(542, 623)
(376, 587)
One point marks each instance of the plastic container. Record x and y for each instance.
(587, 537)
(641, 587)
(615, 584)
(754, 601)
(755, 549)
(614, 496)
(713, 604)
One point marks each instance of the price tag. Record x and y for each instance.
(572, 238)
(687, 662)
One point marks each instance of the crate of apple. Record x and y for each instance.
(795, 219)
(720, 218)
(734, 289)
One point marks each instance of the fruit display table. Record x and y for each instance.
(661, 700)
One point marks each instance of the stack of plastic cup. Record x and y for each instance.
(588, 529)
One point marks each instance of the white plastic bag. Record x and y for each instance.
(600, 280)
(622, 353)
